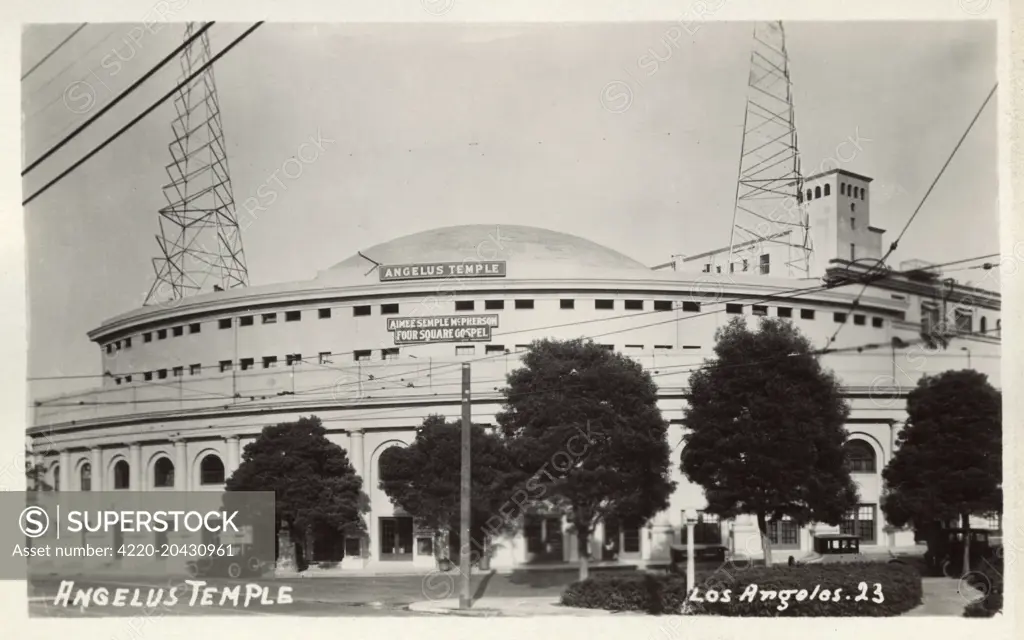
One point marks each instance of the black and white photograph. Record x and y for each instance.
(695, 317)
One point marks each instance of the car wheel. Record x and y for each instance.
(234, 570)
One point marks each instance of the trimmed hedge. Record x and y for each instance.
(848, 589)
(654, 594)
(987, 577)
(817, 590)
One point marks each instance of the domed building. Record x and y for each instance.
(375, 343)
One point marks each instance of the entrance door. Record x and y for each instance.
(396, 538)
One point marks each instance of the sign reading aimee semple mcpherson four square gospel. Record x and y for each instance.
(469, 328)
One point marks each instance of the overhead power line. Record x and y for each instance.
(142, 115)
(124, 94)
(895, 243)
(53, 51)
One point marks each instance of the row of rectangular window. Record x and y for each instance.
(805, 314)
(360, 355)
(392, 309)
(763, 267)
(859, 521)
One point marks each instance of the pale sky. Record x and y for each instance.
(435, 125)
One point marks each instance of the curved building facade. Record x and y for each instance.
(375, 343)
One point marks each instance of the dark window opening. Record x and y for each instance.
(807, 314)
(247, 363)
(211, 470)
(161, 334)
(388, 309)
(662, 305)
(121, 475)
(465, 305)
(494, 304)
(604, 304)
(224, 323)
(147, 376)
(324, 314)
(839, 317)
(391, 353)
(225, 365)
(292, 316)
(860, 455)
(524, 304)
(860, 521)
(759, 310)
(269, 318)
(689, 305)
(859, 320)
(179, 331)
(634, 305)
(494, 348)
(293, 359)
(765, 264)
(361, 310)
(147, 337)
(708, 529)
(566, 304)
(877, 323)
(269, 362)
(163, 473)
(195, 327)
(245, 321)
(828, 189)
(361, 354)
(733, 308)
(785, 312)
(195, 369)
(178, 371)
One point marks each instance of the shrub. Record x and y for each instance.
(987, 577)
(854, 589)
(654, 594)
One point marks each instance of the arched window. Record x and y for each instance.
(211, 470)
(984, 325)
(808, 194)
(163, 473)
(85, 477)
(842, 188)
(121, 474)
(862, 193)
(817, 192)
(828, 189)
(999, 327)
(56, 477)
(861, 456)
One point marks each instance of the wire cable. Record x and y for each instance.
(142, 115)
(53, 51)
(121, 96)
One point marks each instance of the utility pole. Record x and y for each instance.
(465, 599)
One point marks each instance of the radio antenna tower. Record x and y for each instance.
(769, 210)
(199, 242)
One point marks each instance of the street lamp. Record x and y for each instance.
(691, 571)
(968, 356)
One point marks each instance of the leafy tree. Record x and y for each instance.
(317, 491)
(35, 475)
(424, 479)
(948, 461)
(584, 421)
(766, 430)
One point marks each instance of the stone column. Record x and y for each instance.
(135, 473)
(355, 452)
(181, 475)
(233, 456)
(98, 472)
(64, 470)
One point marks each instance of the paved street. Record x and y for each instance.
(341, 596)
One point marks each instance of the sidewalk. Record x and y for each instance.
(507, 607)
(944, 597)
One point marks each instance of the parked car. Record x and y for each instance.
(701, 553)
(831, 548)
(233, 566)
(946, 547)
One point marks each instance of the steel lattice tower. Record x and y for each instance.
(200, 242)
(769, 209)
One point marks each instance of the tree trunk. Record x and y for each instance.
(766, 541)
(966, 524)
(582, 537)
